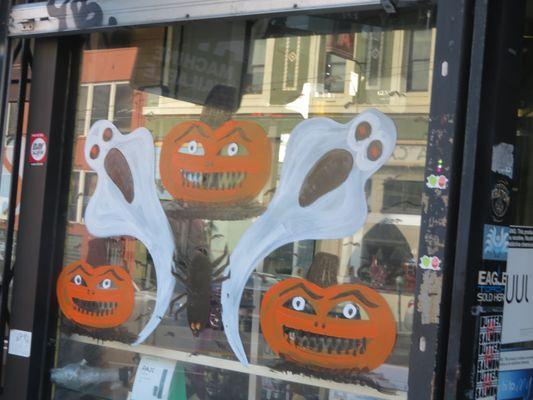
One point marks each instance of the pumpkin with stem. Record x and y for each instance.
(228, 165)
(347, 326)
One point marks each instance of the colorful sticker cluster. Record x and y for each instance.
(428, 262)
(436, 182)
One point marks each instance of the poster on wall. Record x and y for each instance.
(518, 300)
(488, 359)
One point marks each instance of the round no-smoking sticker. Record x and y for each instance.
(38, 149)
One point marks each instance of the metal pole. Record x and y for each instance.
(7, 273)
(5, 63)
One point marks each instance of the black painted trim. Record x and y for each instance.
(439, 215)
(42, 214)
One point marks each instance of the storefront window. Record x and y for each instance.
(419, 42)
(281, 158)
(256, 67)
(100, 103)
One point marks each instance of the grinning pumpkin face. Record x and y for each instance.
(228, 165)
(99, 297)
(339, 327)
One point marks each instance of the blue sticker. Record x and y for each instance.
(516, 384)
(495, 240)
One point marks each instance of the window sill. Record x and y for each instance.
(258, 370)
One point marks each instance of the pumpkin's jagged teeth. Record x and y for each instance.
(225, 181)
(362, 349)
(213, 180)
(206, 180)
(94, 307)
(324, 344)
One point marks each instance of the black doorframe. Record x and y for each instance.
(439, 215)
(491, 119)
(42, 214)
(43, 221)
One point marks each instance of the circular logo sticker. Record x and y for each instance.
(500, 199)
(38, 149)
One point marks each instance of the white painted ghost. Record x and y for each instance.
(125, 202)
(321, 195)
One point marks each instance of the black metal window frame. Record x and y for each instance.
(491, 118)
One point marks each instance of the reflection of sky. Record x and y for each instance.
(4, 185)
(4, 192)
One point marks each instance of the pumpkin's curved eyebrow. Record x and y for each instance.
(83, 269)
(358, 295)
(189, 130)
(301, 286)
(113, 272)
(235, 131)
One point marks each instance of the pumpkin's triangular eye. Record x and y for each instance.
(78, 280)
(348, 310)
(233, 149)
(192, 148)
(106, 284)
(298, 303)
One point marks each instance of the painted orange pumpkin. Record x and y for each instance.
(339, 327)
(228, 165)
(99, 297)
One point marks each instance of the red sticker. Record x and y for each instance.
(38, 149)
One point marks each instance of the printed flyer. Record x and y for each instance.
(518, 295)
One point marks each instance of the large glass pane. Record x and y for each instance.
(123, 109)
(419, 42)
(335, 71)
(209, 219)
(81, 111)
(100, 103)
(74, 196)
(256, 67)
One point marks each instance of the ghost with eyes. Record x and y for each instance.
(125, 202)
(320, 196)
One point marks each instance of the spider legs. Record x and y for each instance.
(220, 269)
